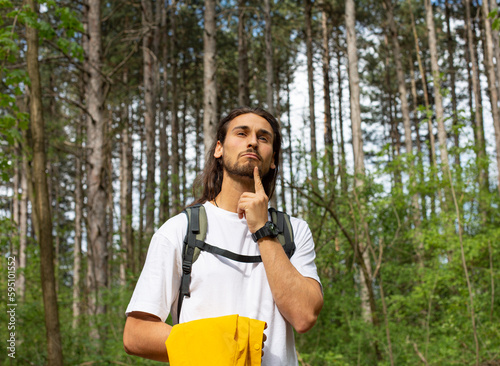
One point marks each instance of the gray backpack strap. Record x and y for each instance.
(196, 232)
(282, 222)
(194, 242)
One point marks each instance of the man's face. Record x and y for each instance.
(248, 143)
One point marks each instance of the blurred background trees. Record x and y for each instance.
(406, 232)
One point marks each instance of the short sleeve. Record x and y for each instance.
(304, 256)
(158, 286)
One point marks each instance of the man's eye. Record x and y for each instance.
(263, 138)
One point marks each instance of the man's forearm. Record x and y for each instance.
(145, 335)
(298, 298)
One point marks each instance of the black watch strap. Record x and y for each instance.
(268, 230)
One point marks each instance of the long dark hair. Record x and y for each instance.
(211, 178)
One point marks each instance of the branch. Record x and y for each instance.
(68, 57)
(70, 101)
(120, 65)
(419, 354)
(330, 211)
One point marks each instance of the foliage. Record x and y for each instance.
(421, 295)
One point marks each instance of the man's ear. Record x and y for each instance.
(273, 166)
(218, 150)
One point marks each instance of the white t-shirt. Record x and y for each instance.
(220, 286)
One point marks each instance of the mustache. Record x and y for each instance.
(252, 151)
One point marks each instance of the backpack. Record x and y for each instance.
(194, 243)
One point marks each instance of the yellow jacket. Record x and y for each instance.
(230, 340)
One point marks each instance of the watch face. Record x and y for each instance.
(273, 228)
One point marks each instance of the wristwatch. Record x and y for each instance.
(268, 230)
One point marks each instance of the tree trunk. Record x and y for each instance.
(310, 81)
(490, 72)
(243, 91)
(438, 99)
(328, 134)
(269, 72)
(366, 291)
(77, 246)
(482, 161)
(289, 135)
(343, 163)
(420, 168)
(96, 179)
(209, 75)
(269, 58)
(164, 145)
(23, 212)
(421, 69)
(149, 68)
(405, 109)
(357, 138)
(496, 44)
(23, 232)
(125, 195)
(41, 203)
(451, 71)
(141, 249)
(175, 161)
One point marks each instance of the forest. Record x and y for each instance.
(389, 111)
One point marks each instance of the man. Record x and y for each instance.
(283, 292)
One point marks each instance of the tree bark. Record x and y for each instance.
(209, 75)
(451, 71)
(366, 291)
(23, 232)
(243, 90)
(482, 161)
(175, 159)
(343, 163)
(96, 179)
(424, 87)
(405, 109)
(164, 145)
(310, 81)
(490, 73)
(328, 130)
(269, 58)
(438, 99)
(125, 195)
(77, 246)
(149, 68)
(352, 55)
(41, 202)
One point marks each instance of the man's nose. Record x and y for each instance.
(252, 140)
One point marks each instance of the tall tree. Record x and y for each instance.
(492, 81)
(126, 196)
(149, 72)
(478, 108)
(436, 79)
(450, 43)
(243, 90)
(41, 204)
(269, 57)
(209, 75)
(164, 145)
(77, 245)
(328, 135)
(310, 81)
(405, 109)
(96, 182)
(342, 158)
(174, 120)
(366, 292)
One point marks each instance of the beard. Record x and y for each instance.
(244, 170)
